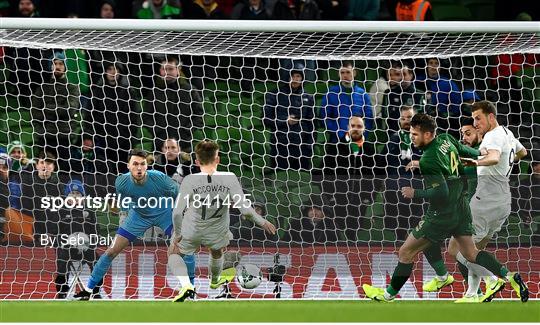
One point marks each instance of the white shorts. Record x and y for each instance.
(487, 222)
(214, 239)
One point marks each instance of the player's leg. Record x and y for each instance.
(443, 278)
(215, 266)
(164, 221)
(91, 257)
(217, 240)
(481, 263)
(134, 226)
(403, 270)
(493, 225)
(179, 269)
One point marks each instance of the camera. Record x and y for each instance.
(276, 274)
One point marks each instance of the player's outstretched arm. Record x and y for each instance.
(492, 158)
(463, 150)
(247, 210)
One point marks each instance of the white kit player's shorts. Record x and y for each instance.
(488, 221)
(214, 238)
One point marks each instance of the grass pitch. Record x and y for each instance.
(267, 311)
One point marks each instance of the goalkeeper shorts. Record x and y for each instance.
(134, 226)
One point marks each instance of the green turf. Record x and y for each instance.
(268, 311)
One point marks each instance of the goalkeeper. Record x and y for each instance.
(141, 186)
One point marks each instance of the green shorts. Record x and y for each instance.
(436, 229)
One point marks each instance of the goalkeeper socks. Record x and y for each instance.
(179, 269)
(189, 260)
(489, 261)
(216, 266)
(402, 272)
(99, 271)
(434, 258)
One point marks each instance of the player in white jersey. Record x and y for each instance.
(201, 217)
(491, 203)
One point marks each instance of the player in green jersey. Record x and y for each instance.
(470, 138)
(448, 214)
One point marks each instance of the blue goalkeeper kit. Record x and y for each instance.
(152, 203)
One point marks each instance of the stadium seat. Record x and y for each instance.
(451, 12)
(481, 9)
(528, 81)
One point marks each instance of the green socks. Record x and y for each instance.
(489, 261)
(402, 272)
(434, 258)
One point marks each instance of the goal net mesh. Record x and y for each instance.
(279, 105)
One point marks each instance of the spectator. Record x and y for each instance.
(114, 117)
(25, 63)
(529, 197)
(363, 9)
(415, 10)
(17, 162)
(17, 155)
(315, 226)
(379, 88)
(352, 178)
(400, 214)
(6, 8)
(246, 232)
(443, 97)
(338, 105)
(254, 10)
(158, 9)
(202, 9)
(43, 182)
(333, 9)
(288, 113)
(27, 8)
(14, 226)
(55, 112)
(106, 9)
(75, 222)
(174, 162)
(296, 9)
(4, 184)
(402, 92)
(172, 109)
(87, 159)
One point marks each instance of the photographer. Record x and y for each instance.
(77, 239)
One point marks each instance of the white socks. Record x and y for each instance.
(215, 266)
(475, 268)
(475, 273)
(442, 277)
(179, 270)
(473, 283)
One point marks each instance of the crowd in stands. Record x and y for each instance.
(267, 9)
(89, 108)
(366, 142)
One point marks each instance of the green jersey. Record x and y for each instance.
(472, 178)
(443, 177)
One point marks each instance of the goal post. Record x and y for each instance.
(275, 96)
